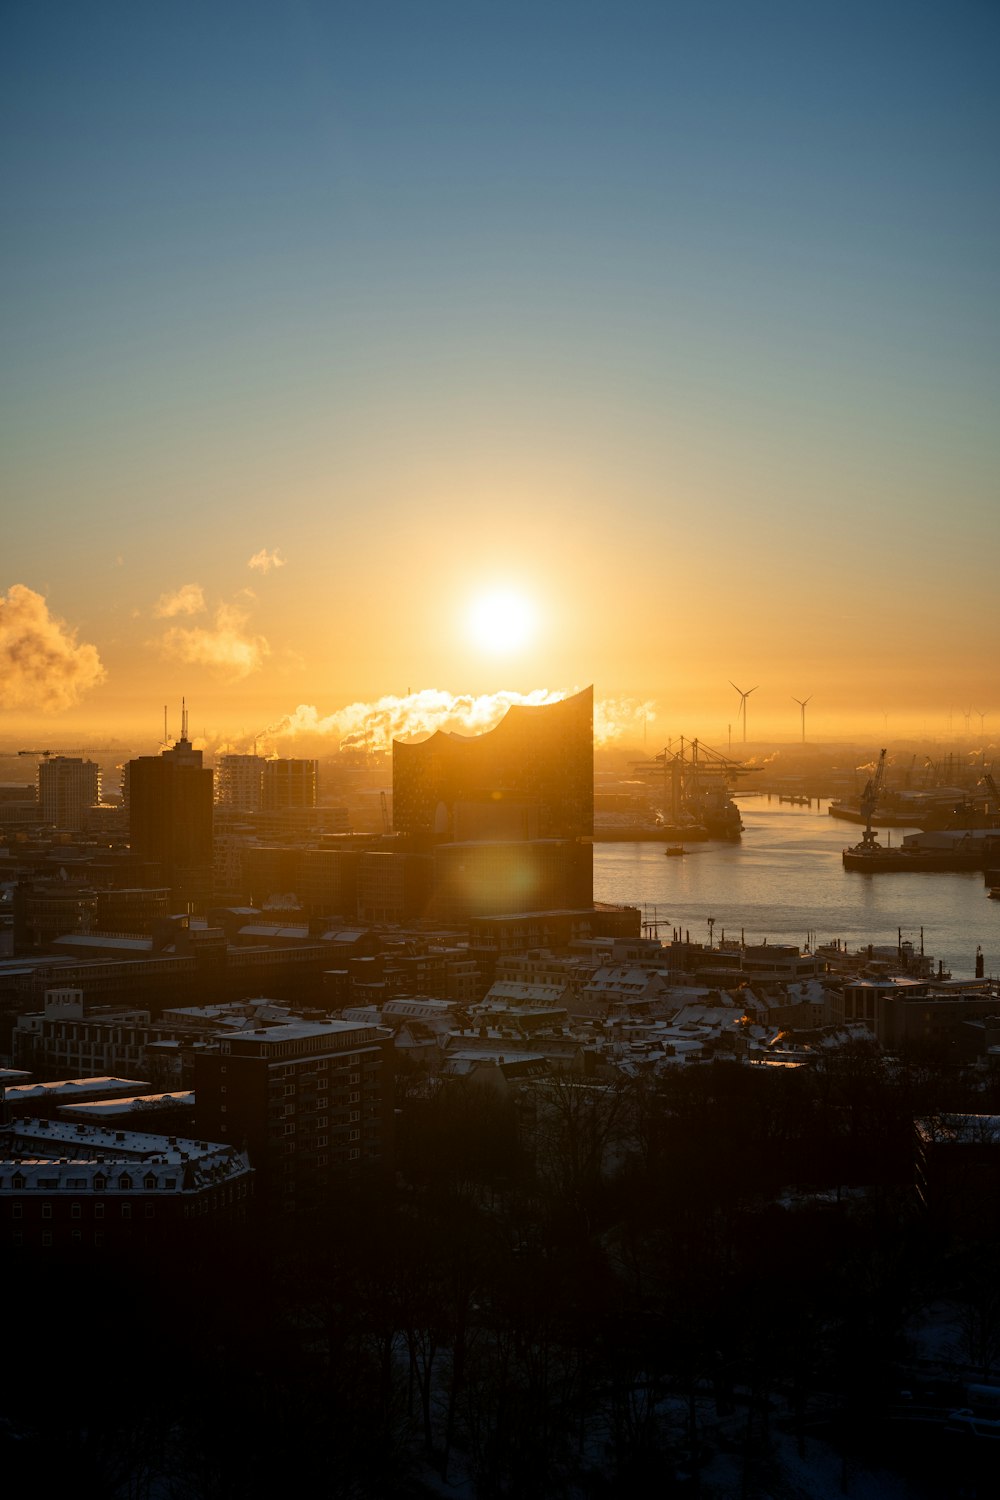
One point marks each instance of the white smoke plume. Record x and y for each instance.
(41, 662)
(226, 646)
(189, 599)
(618, 719)
(263, 561)
(373, 726)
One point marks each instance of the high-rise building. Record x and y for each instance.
(509, 813)
(238, 782)
(170, 819)
(287, 784)
(67, 787)
(530, 776)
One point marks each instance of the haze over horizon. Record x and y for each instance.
(358, 355)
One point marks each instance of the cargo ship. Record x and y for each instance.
(695, 790)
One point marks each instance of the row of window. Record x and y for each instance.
(76, 1211)
(124, 1183)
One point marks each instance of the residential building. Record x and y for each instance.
(76, 1190)
(67, 787)
(311, 1102)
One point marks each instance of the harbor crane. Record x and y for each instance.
(47, 754)
(869, 801)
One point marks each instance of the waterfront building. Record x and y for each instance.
(530, 776)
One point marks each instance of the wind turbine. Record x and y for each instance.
(802, 704)
(744, 695)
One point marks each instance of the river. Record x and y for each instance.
(785, 882)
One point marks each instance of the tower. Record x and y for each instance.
(170, 818)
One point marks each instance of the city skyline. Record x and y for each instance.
(355, 363)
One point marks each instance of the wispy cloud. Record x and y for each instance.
(263, 561)
(189, 599)
(41, 662)
(227, 646)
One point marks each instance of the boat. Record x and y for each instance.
(674, 851)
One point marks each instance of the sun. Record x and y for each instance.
(501, 621)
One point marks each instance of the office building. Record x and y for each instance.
(170, 820)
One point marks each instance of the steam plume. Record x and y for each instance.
(41, 662)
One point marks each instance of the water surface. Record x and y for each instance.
(785, 882)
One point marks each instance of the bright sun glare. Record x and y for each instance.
(501, 621)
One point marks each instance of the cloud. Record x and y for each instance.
(41, 663)
(621, 718)
(226, 646)
(375, 725)
(189, 599)
(263, 561)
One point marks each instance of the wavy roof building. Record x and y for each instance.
(530, 777)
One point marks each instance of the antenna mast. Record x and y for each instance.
(184, 719)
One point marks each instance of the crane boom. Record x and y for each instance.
(869, 800)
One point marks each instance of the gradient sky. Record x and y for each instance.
(681, 319)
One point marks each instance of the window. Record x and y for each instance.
(126, 1210)
(46, 1210)
(100, 1183)
(75, 1211)
(149, 1182)
(47, 1238)
(125, 1183)
(98, 1211)
(16, 1211)
(150, 1210)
